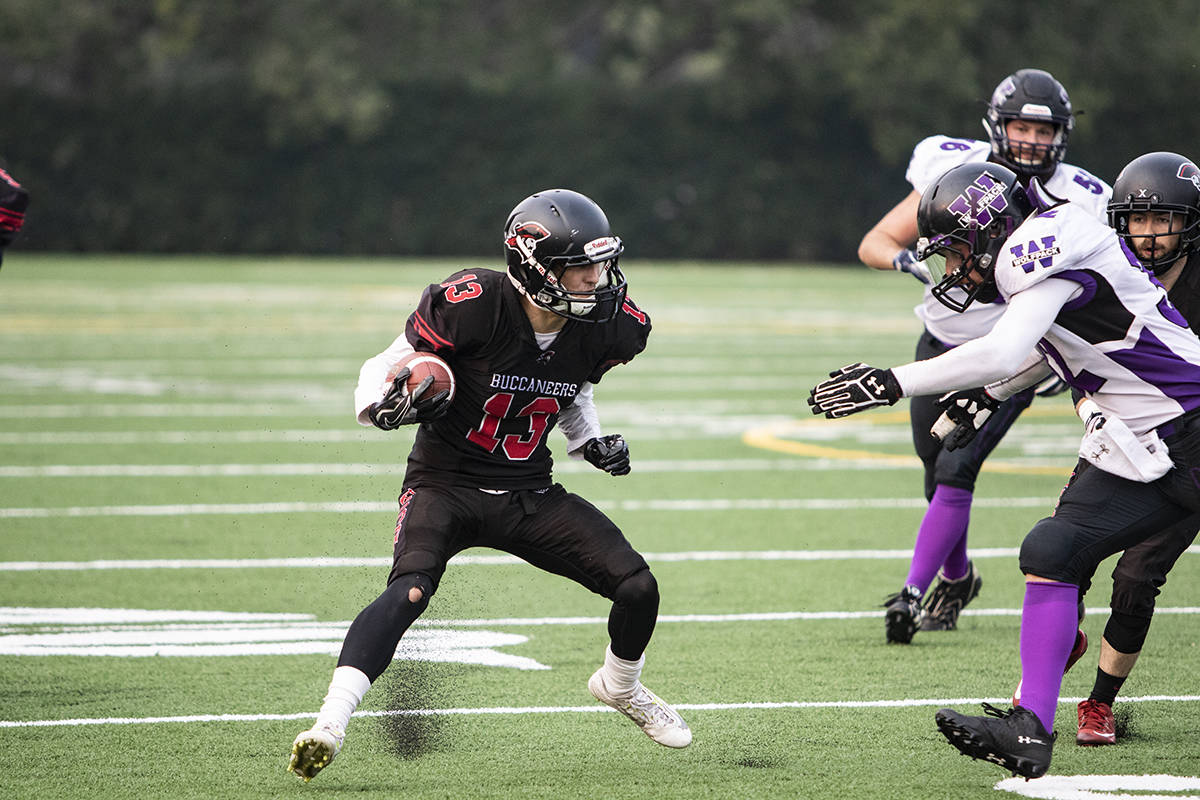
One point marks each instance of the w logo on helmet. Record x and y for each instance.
(979, 204)
(1189, 172)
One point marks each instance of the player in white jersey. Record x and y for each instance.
(1156, 212)
(1078, 304)
(1028, 120)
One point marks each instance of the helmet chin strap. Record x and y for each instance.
(544, 300)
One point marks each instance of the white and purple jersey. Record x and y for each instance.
(1118, 338)
(931, 158)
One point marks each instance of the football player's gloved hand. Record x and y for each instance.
(398, 407)
(1051, 386)
(609, 453)
(1093, 418)
(965, 413)
(906, 261)
(854, 388)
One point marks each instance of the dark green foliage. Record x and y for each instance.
(758, 129)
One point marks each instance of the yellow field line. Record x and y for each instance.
(779, 438)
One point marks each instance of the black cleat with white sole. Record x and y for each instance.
(1015, 739)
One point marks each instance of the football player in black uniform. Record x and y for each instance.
(526, 347)
(13, 202)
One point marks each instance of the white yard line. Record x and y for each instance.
(687, 504)
(469, 560)
(397, 468)
(477, 560)
(524, 710)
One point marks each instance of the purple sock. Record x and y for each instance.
(942, 537)
(1049, 619)
(956, 564)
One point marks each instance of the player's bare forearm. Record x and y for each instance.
(877, 250)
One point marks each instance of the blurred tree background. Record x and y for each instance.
(743, 129)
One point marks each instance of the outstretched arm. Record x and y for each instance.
(997, 355)
(978, 362)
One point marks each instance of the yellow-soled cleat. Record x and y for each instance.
(315, 749)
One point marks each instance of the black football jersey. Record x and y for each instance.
(1185, 294)
(508, 392)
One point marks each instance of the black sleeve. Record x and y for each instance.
(453, 314)
(1185, 294)
(632, 329)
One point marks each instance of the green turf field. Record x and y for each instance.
(190, 516)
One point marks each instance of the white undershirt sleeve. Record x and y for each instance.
(579, 421)
(998, 354)
(1032, 372)
(372, 377)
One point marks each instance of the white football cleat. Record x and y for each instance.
(314, 749)
(647, 710)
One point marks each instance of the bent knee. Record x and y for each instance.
(415, 587)
(1047, 551)
(638, 589)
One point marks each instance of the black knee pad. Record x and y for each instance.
(1126, 632)
(1047, 551)
(639, 589)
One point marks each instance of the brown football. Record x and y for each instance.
(422, 366)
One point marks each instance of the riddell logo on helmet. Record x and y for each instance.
(1036, 111)
(598, 247)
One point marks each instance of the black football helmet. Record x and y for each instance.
(978, 205)
(555, 229)
(1159, 182)
(1031, 94)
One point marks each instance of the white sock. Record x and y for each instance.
(621, 676)
(346, 691)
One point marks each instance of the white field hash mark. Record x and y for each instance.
(1102, 787)
(139, 633)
